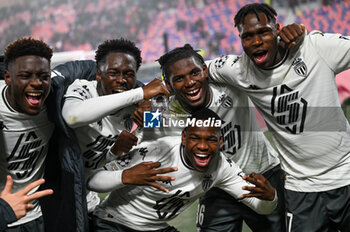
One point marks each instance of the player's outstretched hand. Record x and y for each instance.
(124, 142)
(20, 201)
(154, 88)
(138, 113)
(146, 173)
(292, 34)
(262, 189)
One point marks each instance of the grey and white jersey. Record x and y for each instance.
(299, 101)
(141, 207)
(244, 142)
(24, 141)
(96, 138)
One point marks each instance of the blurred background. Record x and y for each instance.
(74, 28)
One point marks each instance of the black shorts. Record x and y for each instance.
(101, 225)
(318, 211)
(219, 211)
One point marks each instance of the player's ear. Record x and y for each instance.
(183, 137)
(168, 85)
(278, 28)
(205, 70)
(221, 142)
(98, 75)
(7, 78)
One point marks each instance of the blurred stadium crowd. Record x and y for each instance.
(69, 25)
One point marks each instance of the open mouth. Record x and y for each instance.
(260, 56)
(202, 159)
(34, 98)
(119, 89)
(194, 95)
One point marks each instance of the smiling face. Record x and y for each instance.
(117, 75)
(201, 145)
(28, 79)
(259, 40)
(189, 80)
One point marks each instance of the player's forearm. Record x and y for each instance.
(7, 214)
(78, 113)
(105, 181)
(261, 206)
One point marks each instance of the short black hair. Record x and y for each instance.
(177, 54)
(117, 45)
(26, 47)
(255, 8)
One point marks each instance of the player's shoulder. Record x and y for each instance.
(225, 64)
(325, 38)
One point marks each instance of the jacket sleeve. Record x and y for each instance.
(6, 214)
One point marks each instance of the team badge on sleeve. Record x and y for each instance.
(219, 63)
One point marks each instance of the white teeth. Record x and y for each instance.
(34, 94)
(119, 90)
(202, 155)
(193, 91)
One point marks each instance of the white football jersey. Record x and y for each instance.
(244, 142)
(97, 138)
(24, 141)
(144, 207)
(299, 101)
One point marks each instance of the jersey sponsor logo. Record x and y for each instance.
(152, 119)
(232, 138)
(289, 109)
(25, 154)
(300, 67)
(225, 101)
(97, 150)
(219, 63)
(168, 207)
(207, 182)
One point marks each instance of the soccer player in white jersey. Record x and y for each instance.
(187, 76)
(24, 128)
(100, 111)
(201, 166)
(296, 93)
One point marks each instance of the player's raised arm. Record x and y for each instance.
(144, 174)
(78, 111)
(291, 35)
(20, 201)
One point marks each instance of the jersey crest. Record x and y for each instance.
(289, 109)
(225, 101)
(207, 182)
(300, 67)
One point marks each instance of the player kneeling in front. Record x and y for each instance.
(200, 166)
